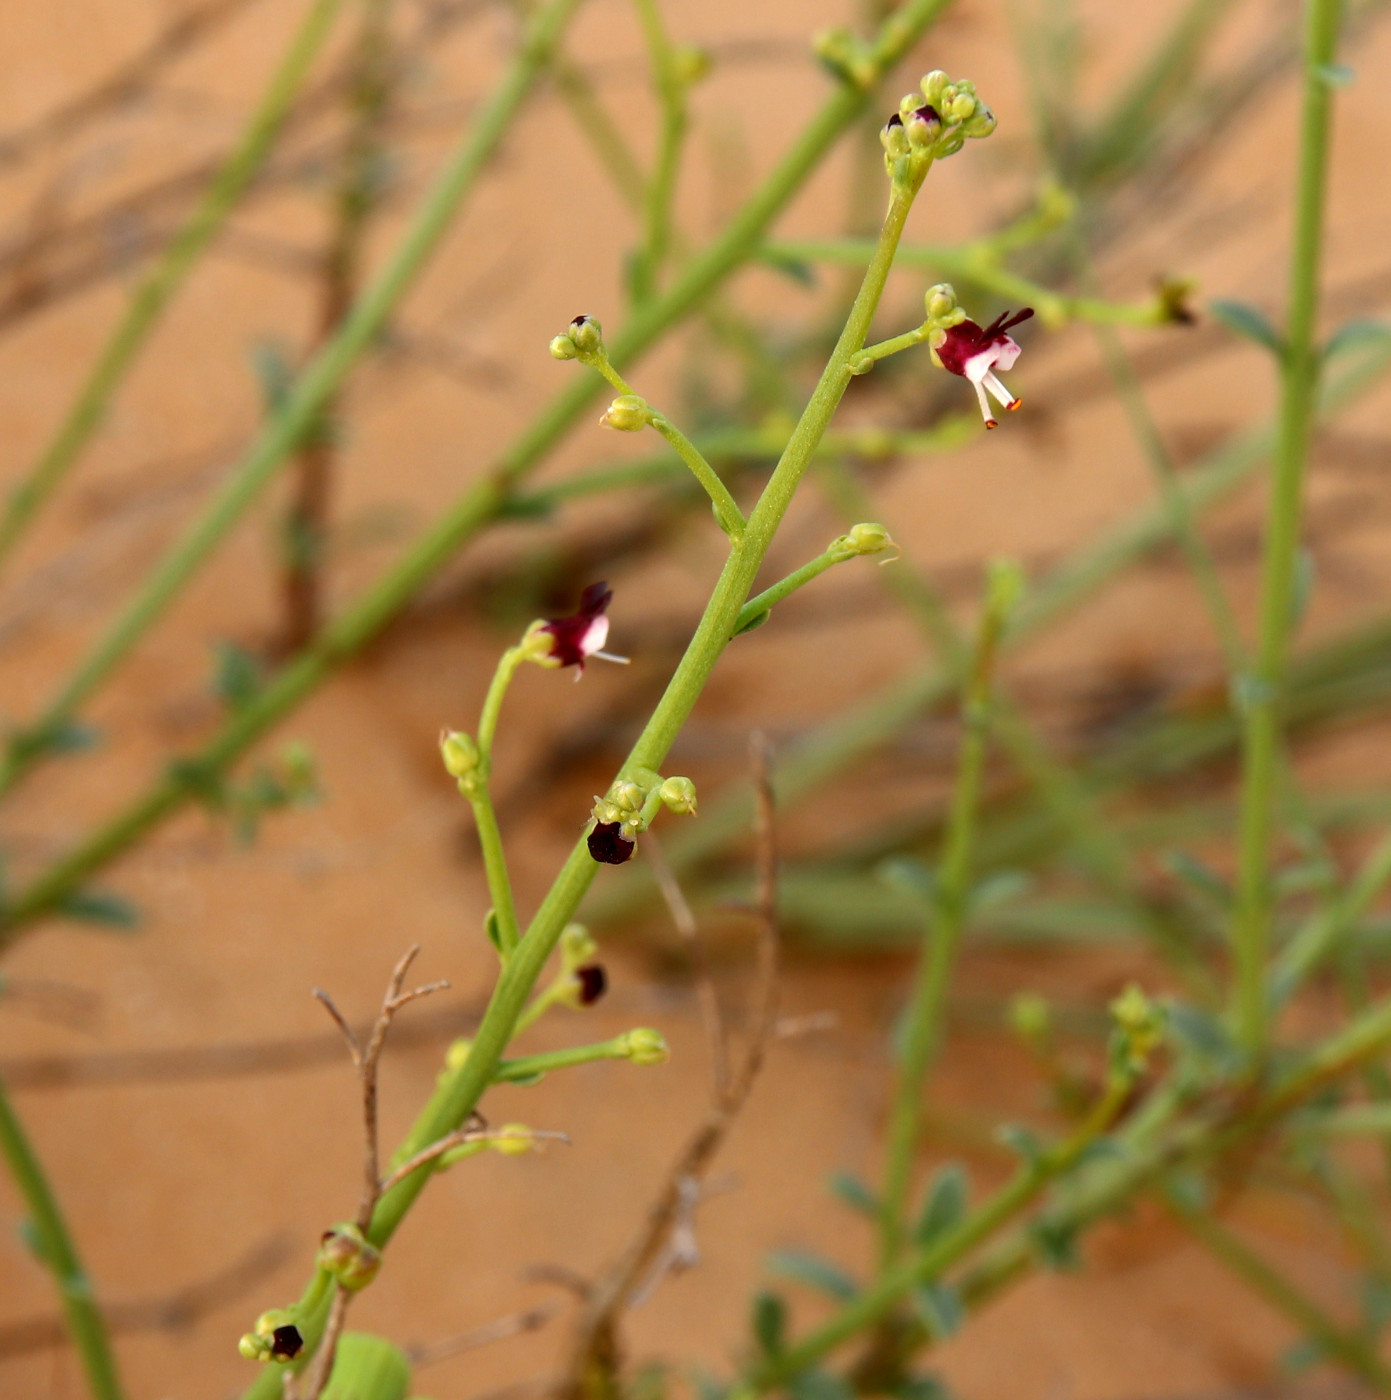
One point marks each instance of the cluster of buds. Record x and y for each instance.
(628, 808)
(868, 537)
(346, 1254)
(274, 1337)
(931, 124)
(582, 340)
(1139, 1031)
(974, 352)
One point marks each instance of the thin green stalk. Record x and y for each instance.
(727, 511)
(760, 605)
(283, 433)
(1323, 932)
(922, 1031)
(477, 789)
(526, 1067)
(600, 130)
(487, 500)
(1266, 1282)
(158, 287)
(1263, 693)
(670, 86)
(59, 1254)
(884, 1295)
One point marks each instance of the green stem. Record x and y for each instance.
(1342, 1346)
(159, 286)
(727, 511)
(312, 390)
(526, 1067)
(923, 1028)
(758, 607)
(1263, 694)
(483, 503)
(60, 1255)
(880, 1298)
(661, 188)
(479, 793)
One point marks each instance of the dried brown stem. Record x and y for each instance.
(664, 1241)
(366, 1057)
(528, 1320)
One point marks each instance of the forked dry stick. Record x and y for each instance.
(595, 1357)
(366, 1059)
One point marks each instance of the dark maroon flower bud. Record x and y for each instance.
(286, 1343)
(593, 980)
(608, 845)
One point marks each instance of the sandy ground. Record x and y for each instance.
(169, 1182)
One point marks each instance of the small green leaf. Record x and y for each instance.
(1102, 1149)
(854, 1193)
(1201, 1034)
(769, 1322)
(796, 269)
(1335, 75)
(814, 1271)
(1056, 1241)
(910, 875)
(944, 1203)
(940, 1307)
(1199, 875)
(493, 929)
(1189, 1189)
(1301, 1355)
(33, 1241)
(1244, 319)
(237, 675)
(1022, 1140)
(1000, 887)
(71, 736)
(1353, 335)
(755, 622)
(100, 907)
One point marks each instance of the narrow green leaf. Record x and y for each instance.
(1198, 875)
(769, 1322)
(940, 1307)
(944, 1203)
(1353, 335)
(100, 907)
(1022, 1140)
(814, 1271)
(1246, 320)
(853, 1191)
(1336, 75)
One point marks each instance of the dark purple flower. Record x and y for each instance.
(592, 979)
(286, 1342)
(608, 845)
(975, 354)
(575, 639)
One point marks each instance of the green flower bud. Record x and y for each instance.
(893, 138)
(253, 1348)
(587, 335)
(514, 1140)
(1139, 1029)
(460, 754)
(627, 796)
(1031, 1018)
(563, 348)
(345, 1253)
(932, 86)
(627, 414)
(576, 946)
(940, 301)
(679, 795)
(275, 1337)
(868, 537)
(457, 1053)
(644, 1046)
(961, 108)
(689, 64)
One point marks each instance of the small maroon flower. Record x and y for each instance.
(573, 640)
(608, 845)
(975, 354)
(286, 1342)
(592, 979)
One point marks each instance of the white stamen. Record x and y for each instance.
(609, 656)
(984, 404)
(992, 382)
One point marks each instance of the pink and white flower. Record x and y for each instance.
(975, 354)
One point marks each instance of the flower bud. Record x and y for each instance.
(457, 1053)
(576, 946)
(645, 1046)
(961, 108)
(275, 1337)
(627, 796)
(591, 982)
(923, 126)
(1139, 1029)
(345, 1253)
(611, 843)
(679, 795)
(932, 86)
(893, 138)
(460, 754)
(586, 334)
(868, 537)
(689, 64)
(514, 1140)
(563, 348)
(940, 301)
(1031, 1018)
(627, 414)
